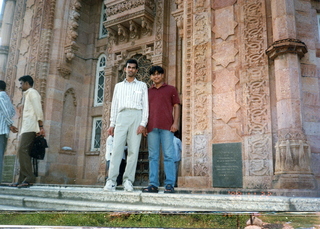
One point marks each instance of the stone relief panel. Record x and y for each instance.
(225, 53)
(201, 87)
(224, 87)
(293, 153)
(14, 43)
(224, 23)
(256, 95)
(41, 33)
(225, 79)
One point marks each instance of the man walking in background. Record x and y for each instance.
(6, 113)
(128, 118)
(32, 125)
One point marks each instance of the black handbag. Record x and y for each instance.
(38, 150)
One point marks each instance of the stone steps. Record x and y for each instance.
(91, 198)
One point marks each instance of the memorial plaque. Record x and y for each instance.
(8, 168)
(227, 165)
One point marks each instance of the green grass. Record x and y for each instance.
(127, 219)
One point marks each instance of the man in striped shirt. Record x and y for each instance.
(128, 119)
(6, 113)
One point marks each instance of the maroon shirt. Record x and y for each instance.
(161, 102)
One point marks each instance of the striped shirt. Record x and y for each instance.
(6, 113)
(130, 95)
(32, 111)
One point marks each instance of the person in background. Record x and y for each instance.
(7, 111)
(177, 150)
(32, 126)
(164, 113)
(109, 145)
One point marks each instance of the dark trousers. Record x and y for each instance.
(26, 173)
(3, 144)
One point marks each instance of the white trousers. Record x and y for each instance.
(125, 131)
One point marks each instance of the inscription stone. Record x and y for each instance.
(227, 165)
(8, 168)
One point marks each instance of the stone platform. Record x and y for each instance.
(93, 198)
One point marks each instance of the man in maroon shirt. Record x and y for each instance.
(164, 112)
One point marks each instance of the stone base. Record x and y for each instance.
(294, 181)
(194, 182)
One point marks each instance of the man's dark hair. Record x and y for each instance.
(155, 69)
(132, 61)
(27, 78)
(2, 85)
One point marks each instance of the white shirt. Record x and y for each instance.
(130, 95)
(32, 111)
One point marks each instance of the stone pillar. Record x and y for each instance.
(292, 159)
(194, 23)
(6, 34)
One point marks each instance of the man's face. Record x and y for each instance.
(157, 77)
(131, 70)
(24, 85)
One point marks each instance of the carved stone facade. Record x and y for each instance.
(247, 72)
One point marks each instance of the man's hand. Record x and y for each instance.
(110, 131)
(14, 129)
(42, 132)
(174, 127)
(145, 132)
(141, 130)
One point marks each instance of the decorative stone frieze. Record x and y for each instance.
(129, 20)
(258, 159)
(71, 46)
(284, 46)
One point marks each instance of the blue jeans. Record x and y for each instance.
(165, 137)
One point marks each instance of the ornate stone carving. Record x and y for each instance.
(123, 6)
(158, 43)
(292, 156)
(256, 94)
(178, 16)
(134, 30)
(13, 57)
(64, 71)
(71, 46)
(284, 46)
(131, 19)
(123, 33)
(201, 156)
(146, 26)
(187, 81)
(71, 92)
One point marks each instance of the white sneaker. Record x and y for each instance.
(128, 186)
(110, 186)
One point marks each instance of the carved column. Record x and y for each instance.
(292, 163)
(159, 44)
(6, 34)
(197, 91)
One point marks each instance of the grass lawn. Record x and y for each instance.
(160, 220)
